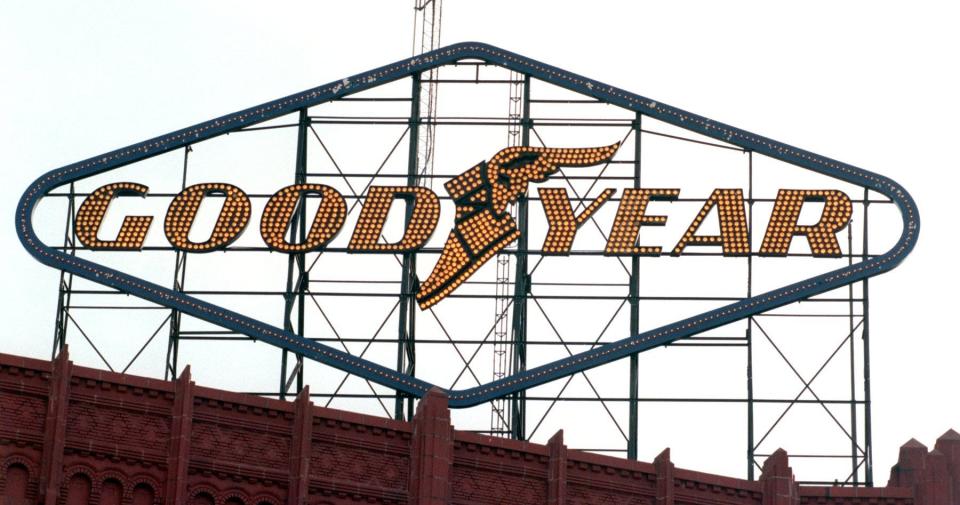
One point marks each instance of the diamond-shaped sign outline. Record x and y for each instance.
(520, 381)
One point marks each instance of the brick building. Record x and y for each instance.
(76, 435)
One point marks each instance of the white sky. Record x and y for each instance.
(873, 84)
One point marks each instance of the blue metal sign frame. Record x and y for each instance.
(529, 378)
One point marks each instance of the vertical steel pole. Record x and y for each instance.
(66, 278)
(521, 287)
(633, 432)
(406, 349)
(867, 418)
(173, 339)
(749, 333)
(301, 217)
(297, 280)
(179, 276)
(854, 451)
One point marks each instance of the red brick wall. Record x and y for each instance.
(77, 435)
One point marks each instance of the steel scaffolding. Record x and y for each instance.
(515, 283)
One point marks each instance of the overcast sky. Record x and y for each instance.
(870, 83)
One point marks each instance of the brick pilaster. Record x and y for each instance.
(55, 429)
(949, 445)
(178, 452)
(557, 471)
(777, 481)
(431, 451)
(299, 486)
(927, 473)
(664, 478)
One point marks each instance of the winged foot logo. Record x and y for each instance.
(483, 226)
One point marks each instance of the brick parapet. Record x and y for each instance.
(82, 432)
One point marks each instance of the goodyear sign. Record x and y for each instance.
(483, 225)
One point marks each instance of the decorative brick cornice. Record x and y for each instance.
(232, 445)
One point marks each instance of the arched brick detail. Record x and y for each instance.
(33, 471)
(146, 480)
(138, 498)
(263, 499)
(72, 473)
(207, 489)
(20, 459)
(234, 493)
(24, 462)
(72, 470)
(116, 475)
(107, 482)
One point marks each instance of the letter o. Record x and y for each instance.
(279, 210)
(183, 211)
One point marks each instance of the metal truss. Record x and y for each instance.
(427, 21)
(505, 353)
(308, 288)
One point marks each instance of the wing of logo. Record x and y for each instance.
(483, 226)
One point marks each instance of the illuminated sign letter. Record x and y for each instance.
(562, 222)
(280, 208)
(90, 216)
(733, 224)
(422, 220)
(630, 217)
(822, 236)
(183, 209)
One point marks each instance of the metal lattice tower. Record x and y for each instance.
(426, 38)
